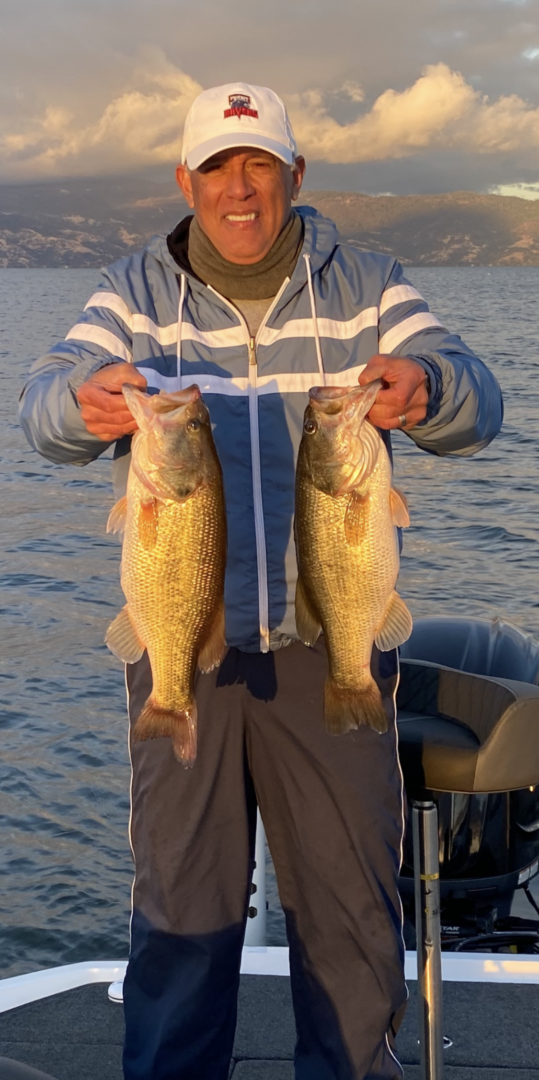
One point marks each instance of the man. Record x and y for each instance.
(252, 300)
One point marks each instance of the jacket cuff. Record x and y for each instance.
(435, 386)
(82, 371)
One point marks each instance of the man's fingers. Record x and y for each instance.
(103, 406)
(113, 376)
(106, 426)
(116, 418)
(404, 391)
(106, 400)
(102, 432)
(385, 414)
(392, 422)
(402, 395)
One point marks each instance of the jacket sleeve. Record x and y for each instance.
(465, 409)
(49, 410)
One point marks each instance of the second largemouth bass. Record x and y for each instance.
(347, 548)
(173, 560)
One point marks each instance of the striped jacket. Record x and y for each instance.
(340, 307)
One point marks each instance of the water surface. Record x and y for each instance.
(473, 547)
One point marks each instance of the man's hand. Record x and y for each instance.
(103, 406)
(404, 393)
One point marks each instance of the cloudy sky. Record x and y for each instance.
(385, 95)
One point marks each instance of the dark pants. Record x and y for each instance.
(332, 809)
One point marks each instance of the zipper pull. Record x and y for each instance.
(252, 351)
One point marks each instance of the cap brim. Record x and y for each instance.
(233, 139)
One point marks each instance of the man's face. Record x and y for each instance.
(241, 199)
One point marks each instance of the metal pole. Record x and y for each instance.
(255, 931)
(429, 954)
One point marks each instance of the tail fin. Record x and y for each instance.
(345, 708)
(156, 723)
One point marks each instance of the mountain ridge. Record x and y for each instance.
(90, 222)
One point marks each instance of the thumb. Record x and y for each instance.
(135, 378)
(375, 369)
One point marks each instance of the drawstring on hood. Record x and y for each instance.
(181, 302)
(315, 322)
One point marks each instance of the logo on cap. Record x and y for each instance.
(240, 105)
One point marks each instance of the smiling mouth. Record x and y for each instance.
(241, 217)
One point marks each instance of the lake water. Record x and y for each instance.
(473, 547)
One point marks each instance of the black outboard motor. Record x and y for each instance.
(488, 843)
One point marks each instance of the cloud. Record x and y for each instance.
(439, 111)
(141, 125)
(519, 191)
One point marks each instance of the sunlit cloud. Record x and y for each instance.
(440, 110)
(141, 126)
(519, 191)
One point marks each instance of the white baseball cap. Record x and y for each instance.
(237, 115)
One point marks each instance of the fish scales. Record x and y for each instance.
(181, 579)
(348, 553)
(173, 560)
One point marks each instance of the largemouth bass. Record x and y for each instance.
(173, 560)
(347, 548)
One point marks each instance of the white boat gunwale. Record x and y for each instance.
(460, 967)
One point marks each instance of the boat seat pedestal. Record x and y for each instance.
(458, 732)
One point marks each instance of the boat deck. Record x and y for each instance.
(78, 1035)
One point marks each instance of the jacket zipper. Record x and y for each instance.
(260, 534)
(258, 507)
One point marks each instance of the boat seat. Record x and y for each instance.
(466, 733)
(15, 1070)
(468, 722)
(479, 646)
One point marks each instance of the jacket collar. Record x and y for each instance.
(320, 239)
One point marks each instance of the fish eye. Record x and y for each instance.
(310, 426)
(194, 425)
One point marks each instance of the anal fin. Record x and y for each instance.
(307, 623)
(214, 647)
(396, 625)
(122, 638)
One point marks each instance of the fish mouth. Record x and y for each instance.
(162, 402)
(178, 399)
(335, 404)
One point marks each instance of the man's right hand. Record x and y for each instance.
(102, 403)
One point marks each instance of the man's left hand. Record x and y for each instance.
(404, 393)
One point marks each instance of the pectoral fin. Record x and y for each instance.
(396, 625)
(148, 523)
(117, 516)
(399, 508)
(355, 519)
(307, 623)
(122, 638)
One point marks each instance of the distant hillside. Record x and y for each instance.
(458, 229)
(91, 222)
